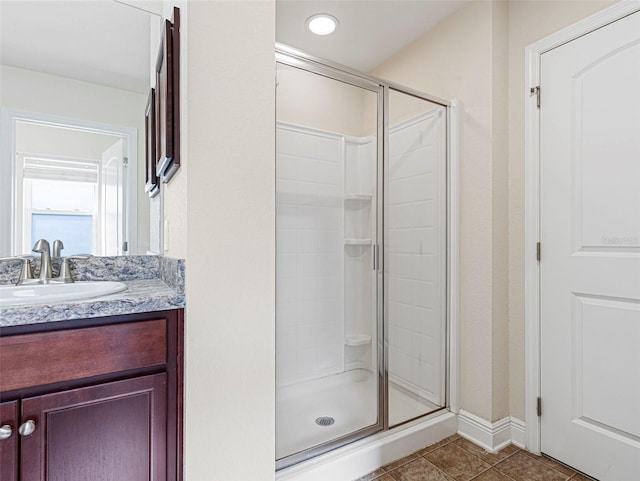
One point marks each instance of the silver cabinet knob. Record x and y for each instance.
(27, 428)
(5, 432)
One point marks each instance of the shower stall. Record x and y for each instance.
(361, 264)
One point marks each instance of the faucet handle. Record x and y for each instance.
(65, 270)
(26, 273)
(20, 257)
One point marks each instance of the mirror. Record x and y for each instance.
(75, 80)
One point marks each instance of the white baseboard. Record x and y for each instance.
(492, 436)
(518, 432)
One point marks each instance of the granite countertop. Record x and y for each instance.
(153, 284)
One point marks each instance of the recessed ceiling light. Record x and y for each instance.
(322, 24)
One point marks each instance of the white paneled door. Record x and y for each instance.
(590, 265)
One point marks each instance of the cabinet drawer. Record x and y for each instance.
(45, 358)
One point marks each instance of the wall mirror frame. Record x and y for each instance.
(151, 185)
(167, 99)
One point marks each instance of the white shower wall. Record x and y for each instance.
(415, 252)
(326, 206)
(325, 281)
(309, 282)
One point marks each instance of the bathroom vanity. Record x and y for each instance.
(94, 397)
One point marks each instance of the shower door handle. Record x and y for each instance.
(375, 257)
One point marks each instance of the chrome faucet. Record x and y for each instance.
(42, 247)
(57, 248)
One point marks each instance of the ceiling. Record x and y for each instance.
(104, 42)
(370, 31)
(107, 41)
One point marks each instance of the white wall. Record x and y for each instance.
(416, 255)
(309, 296)
(42, 139)
(49, 94)
(230, 232)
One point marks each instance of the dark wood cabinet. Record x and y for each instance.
(115, 413)
(9, 441)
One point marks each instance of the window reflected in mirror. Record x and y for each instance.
(69, 186)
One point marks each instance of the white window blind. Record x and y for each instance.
(78, 170)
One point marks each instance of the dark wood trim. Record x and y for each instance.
(180, 394)
(151, 185)
(175, 98)
(168, 99)
(9, 447)
(164, 105)
(78, 383)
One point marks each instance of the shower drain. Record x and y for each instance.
(325, 421)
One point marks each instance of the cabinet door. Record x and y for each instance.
(9, 441)
(109, 432)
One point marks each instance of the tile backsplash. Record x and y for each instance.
(116, 268)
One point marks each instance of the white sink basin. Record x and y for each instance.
(27, 295)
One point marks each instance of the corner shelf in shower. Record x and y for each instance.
(357, 242)
(355, 340)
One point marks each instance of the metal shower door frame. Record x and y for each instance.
(294, 58)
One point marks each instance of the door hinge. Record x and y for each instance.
(536, 91)
(125, 162)
(125, 246)
(539, 406)
(538, 251)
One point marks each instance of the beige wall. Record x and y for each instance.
(463, 58)
(230, 240)
(227, 234)
(477, 56)
(529, 21)
(322, 103)
(53, 95)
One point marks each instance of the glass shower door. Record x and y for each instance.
(327, 359)
(415, 256)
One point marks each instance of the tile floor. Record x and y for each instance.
(456, 459)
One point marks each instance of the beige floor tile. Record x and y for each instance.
(399, 462)
(377, 474)
(552, 464)
(492, 475)
(490, 458)
(579, 477)
(439, 444)
(385, 477)
(456, 462)
(522, 467)
(418, 470)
